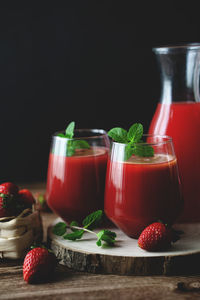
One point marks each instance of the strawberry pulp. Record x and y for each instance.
(181, 121)
(141, 191)
(75, 184)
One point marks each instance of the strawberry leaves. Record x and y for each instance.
(7, 200)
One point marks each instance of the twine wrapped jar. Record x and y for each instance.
(17, 234)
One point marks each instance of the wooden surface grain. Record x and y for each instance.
(126, 258)
(69, 284)
(75, 285)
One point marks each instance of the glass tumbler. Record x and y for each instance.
(76, 181)
(142, 190)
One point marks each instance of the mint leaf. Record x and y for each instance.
(107, 236)
(70, 148)
(61, 135)
(80, 144)
(69, 131)
(73, 223)
(135, 133)
(93, 220)
(60, 228)
(76, 235)
(72, 145)
(128, 152)
(132, 139)
(143, 150)
(118, 134)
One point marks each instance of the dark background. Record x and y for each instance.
(90, 62)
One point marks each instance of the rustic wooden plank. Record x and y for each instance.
(68, 284)
(126, 258)
(76, 285)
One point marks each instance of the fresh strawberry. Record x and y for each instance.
(39, 265)
(2, 208)
(8, 199)
(26, 198)
(157, 237)
(6, 208)
(9, 188)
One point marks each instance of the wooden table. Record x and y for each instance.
(69, 284)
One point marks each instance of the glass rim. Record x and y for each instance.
(98, 133)
(177, 48)
(168, 140)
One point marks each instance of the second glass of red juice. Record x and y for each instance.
(75, 184)
(142, 190)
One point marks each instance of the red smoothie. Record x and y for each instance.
(181, 121)
(75, 184)
(141, 191)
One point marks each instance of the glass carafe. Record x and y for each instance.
(178, 115)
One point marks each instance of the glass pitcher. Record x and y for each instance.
(178, 115)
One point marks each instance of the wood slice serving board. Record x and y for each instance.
(126, 258)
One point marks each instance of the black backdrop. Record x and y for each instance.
(90, 62)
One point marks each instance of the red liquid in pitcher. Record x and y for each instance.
(141, 191)
(181, 121)
(75, 185)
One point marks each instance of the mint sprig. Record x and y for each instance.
(118, 134)
(69, 131)
(106, 236)
(91, 222)
(133, 140)
(72, 145)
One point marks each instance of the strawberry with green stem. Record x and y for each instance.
(8, 195)
(157, 237)
(13, 201)
(6, 208)
(9, 188)
(39, 265)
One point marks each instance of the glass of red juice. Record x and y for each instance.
(75, 183)
(142, 190)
